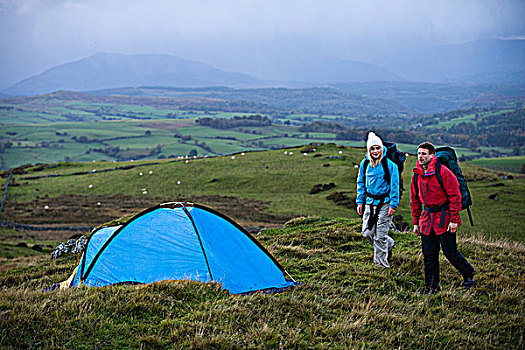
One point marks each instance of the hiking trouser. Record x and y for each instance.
(377, 235)
(430, 246)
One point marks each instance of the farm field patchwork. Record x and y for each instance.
(81, 127)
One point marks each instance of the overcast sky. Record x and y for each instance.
(229, 34)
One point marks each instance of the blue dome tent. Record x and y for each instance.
(178, 241)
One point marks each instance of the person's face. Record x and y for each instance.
(375, 151)
(424, 156)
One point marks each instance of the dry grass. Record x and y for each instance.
(344, 302)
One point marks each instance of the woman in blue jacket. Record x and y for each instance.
(377, 198)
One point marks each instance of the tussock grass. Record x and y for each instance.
(344, 301)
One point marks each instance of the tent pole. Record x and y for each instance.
(199, 237)
(290, 276)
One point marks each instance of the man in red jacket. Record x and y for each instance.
(435, 215)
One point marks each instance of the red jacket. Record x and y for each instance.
(432, 195)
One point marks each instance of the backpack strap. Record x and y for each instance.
(374, 214)
(416, 185)
(438, 175)
(365, 166)
(384, 162)
(470, 216)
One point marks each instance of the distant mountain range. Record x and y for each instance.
(323, 70)
(482, 62)
(456, 62)
(105, 70)
(514, 77)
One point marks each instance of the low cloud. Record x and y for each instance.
(48, 32)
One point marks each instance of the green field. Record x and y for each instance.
(47, 143)
(79, 127)
(72, 141)
(55, 142)
(509, 164)
(470, 118)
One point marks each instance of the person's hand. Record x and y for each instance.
(416, 230)
(452, 227)
(391, 211)
(360, 209)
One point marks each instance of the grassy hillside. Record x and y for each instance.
(257, 189)
(344, 302)
(279, 180)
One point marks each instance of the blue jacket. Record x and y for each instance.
(376, 184)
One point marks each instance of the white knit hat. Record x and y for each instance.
(373, 140)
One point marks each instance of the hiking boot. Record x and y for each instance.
(468, 282)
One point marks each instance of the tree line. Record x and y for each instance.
(236, 121)
(495, 130)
